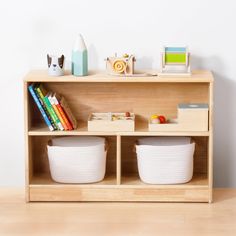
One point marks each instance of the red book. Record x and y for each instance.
(69, 114)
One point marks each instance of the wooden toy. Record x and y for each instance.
(127, 114)
(175, 61)
(120, 65)
(154, 116)
(111, 121)
(162, 119)
(156, 119)
(191, 117)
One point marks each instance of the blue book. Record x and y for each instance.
(44, 106)
(47, 121)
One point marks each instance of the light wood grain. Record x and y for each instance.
(101, 219)
(187, 120)
(110, 125)
(44, 178)
(198, 180)
(140, 130)
(101, 76)
(42, 188)
(28, 157)
(210, 142)
(143, 96)
(141, 99)
(131, 194)
(118, 159)
(128, 180)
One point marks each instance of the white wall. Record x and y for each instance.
(30, 29)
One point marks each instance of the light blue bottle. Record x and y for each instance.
(79, 58)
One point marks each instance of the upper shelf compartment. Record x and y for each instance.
(142, 99)
(198, 76)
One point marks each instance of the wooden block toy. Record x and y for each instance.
(120, 65)
(191, 117)
(111, 122)
(175, 61)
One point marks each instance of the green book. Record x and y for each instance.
(40, 98)
(43, 94)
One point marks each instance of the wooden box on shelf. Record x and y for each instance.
(191, 117)
(111, 122)
(142, 96)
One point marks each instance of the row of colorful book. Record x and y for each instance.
(53, 107)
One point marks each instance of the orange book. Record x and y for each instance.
(68, 112)
(61, 112)
(51, 99)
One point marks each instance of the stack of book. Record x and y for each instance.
(54, 108)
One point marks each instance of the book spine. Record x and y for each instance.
(45, 109)
(61, 111)
(64, 117)
(41, 95)
(52, 113)
(68, 111)
(47, 121)
(58, 113)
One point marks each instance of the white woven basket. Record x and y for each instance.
(77, 159)
(165, 160)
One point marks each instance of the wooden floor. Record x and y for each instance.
(123, 219)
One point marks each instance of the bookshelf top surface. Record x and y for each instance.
(99, 76)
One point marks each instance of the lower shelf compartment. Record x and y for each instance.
(42, 188)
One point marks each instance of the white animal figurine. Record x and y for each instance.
(56, 65)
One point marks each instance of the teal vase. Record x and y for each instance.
(79, 58)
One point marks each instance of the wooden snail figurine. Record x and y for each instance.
(120, 65)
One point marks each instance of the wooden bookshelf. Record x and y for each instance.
(102, 93)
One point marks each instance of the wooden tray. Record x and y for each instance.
(104, 122)
(191, 117)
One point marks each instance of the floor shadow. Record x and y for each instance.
(223, 194)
